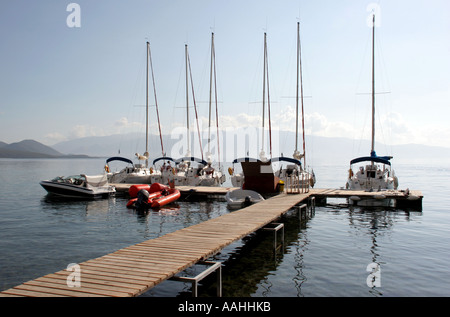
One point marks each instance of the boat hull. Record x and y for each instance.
(376, 201)
(74, 191)
(241, 198)
(163, 200)
(154, 196)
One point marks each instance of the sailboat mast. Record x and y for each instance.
(372, 152)
(264, 92)
(301, 90)
(299, 96)
(146, 106)
(297, 88)
(212, 81)
(210, 92)
(156, 100)
(187, 99)
(195, 108)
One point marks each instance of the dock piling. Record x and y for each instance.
(275, 227)
(215, 266)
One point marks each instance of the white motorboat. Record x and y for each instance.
(79, 186)
(240, 198)
(377, 174)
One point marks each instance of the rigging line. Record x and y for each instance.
(195, 106)
(210, 94)
(264, 93)
(297, 86)
(268, 106)
(358, 85)
(175, 96)
(146, 111)
(373, 87)
(156, 102)
(301, 94)
(384, 75)
(217, 110)
(187, 100)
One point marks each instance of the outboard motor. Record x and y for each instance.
(142, 200)
(247, 201)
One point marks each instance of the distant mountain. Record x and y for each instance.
(32, 146)
(120, 144)
(31, 149)
(105, 146)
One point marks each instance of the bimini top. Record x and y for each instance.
(192, 159)
(118, 158)
(96, 180)
(165, 158)
(372, 158)
(275, 159)
(286, 159)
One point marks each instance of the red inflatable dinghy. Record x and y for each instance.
(151, 196)
(153, 188)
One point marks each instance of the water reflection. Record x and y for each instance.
(313, 248)
(309, 259)
(58, 205)
(299, 248)
(375, 224)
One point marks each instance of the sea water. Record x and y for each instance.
(331, 253)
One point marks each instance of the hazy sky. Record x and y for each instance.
(59, 82)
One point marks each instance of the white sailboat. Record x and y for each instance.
(294, 174)
(189, 168)
(131, 174)
(138, 173)
(258, 174)
(212, 176)
(376, 175)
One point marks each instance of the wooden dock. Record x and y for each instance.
(136, 269)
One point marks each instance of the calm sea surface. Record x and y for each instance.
(325, 255)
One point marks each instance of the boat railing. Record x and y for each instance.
(296, 184)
